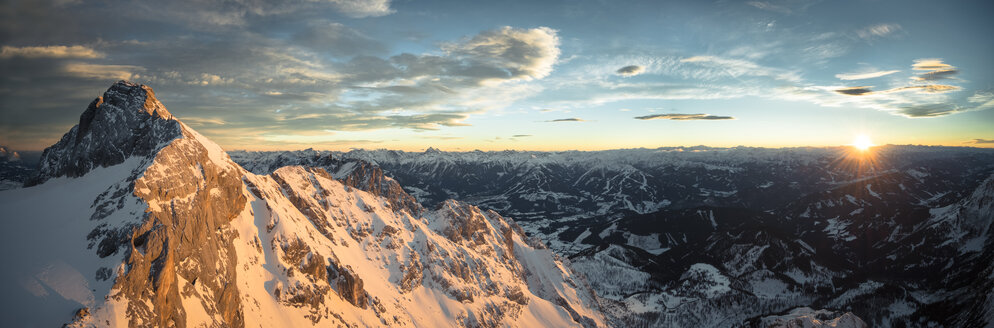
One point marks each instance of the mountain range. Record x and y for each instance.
(701, 236)
(135, 219)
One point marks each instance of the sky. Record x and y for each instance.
(524, 75)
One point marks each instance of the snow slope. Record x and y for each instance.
(161, 228)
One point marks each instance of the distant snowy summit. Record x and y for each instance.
(7, 155)
(136, 220)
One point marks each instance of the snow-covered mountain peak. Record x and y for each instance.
(126, 121)
(127, 95)
(158, 227)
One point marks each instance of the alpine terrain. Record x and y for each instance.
(134, 219)
(719, 237)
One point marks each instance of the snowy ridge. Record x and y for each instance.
(176, 234)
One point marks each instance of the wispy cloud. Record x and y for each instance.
(50, 52)
(520, 53)
(363, 8)
(936, 75)
(876, 31)
(979, 101)
(765, 5)
(981, 141)
(571, 119)
(855, 91)
(521, 136)
(865, 75)
(928, 110)
(935, 69)
(930, 64)
(683, 117)
(101, 72)
(928, 88)
(736, 68)
(630, 70)
(201, 121)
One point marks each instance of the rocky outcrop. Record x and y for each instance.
(126, 121)
(191, 200)
(354, 173)
(348, 284)
(366, 176)
(189, 196)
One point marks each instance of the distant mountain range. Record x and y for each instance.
(715, 237)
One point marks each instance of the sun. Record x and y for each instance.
(862, 142)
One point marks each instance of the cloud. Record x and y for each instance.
(984, 99)
(936, 75)
(863, 76)
(210, 14)
(879, 30)
(928, 88)
(363, 8)
(201, 121)
(928, 110)
(979, 101)
(518, 53)
(50, 52)
(521, 136)
(981, 141)
(716, 67)
(258, 83)
(826, 50)
(338, 40)
(936, 69)
(683, 117)
(101, 72)
(571, 119)
(930, 64)
(630, 70)
(855, 91)
(769, 7)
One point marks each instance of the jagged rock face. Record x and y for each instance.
(126, 121)
(181, 236)
(352, 172)
(189, 197)
(488, 267)
(365, 176)
(184, 237)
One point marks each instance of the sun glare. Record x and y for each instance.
(862, 142)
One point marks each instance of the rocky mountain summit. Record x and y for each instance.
(134, 219)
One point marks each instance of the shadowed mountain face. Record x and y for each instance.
(134, 219)
(717, 237)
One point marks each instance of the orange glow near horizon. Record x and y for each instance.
(860, 158)
(862, 143)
